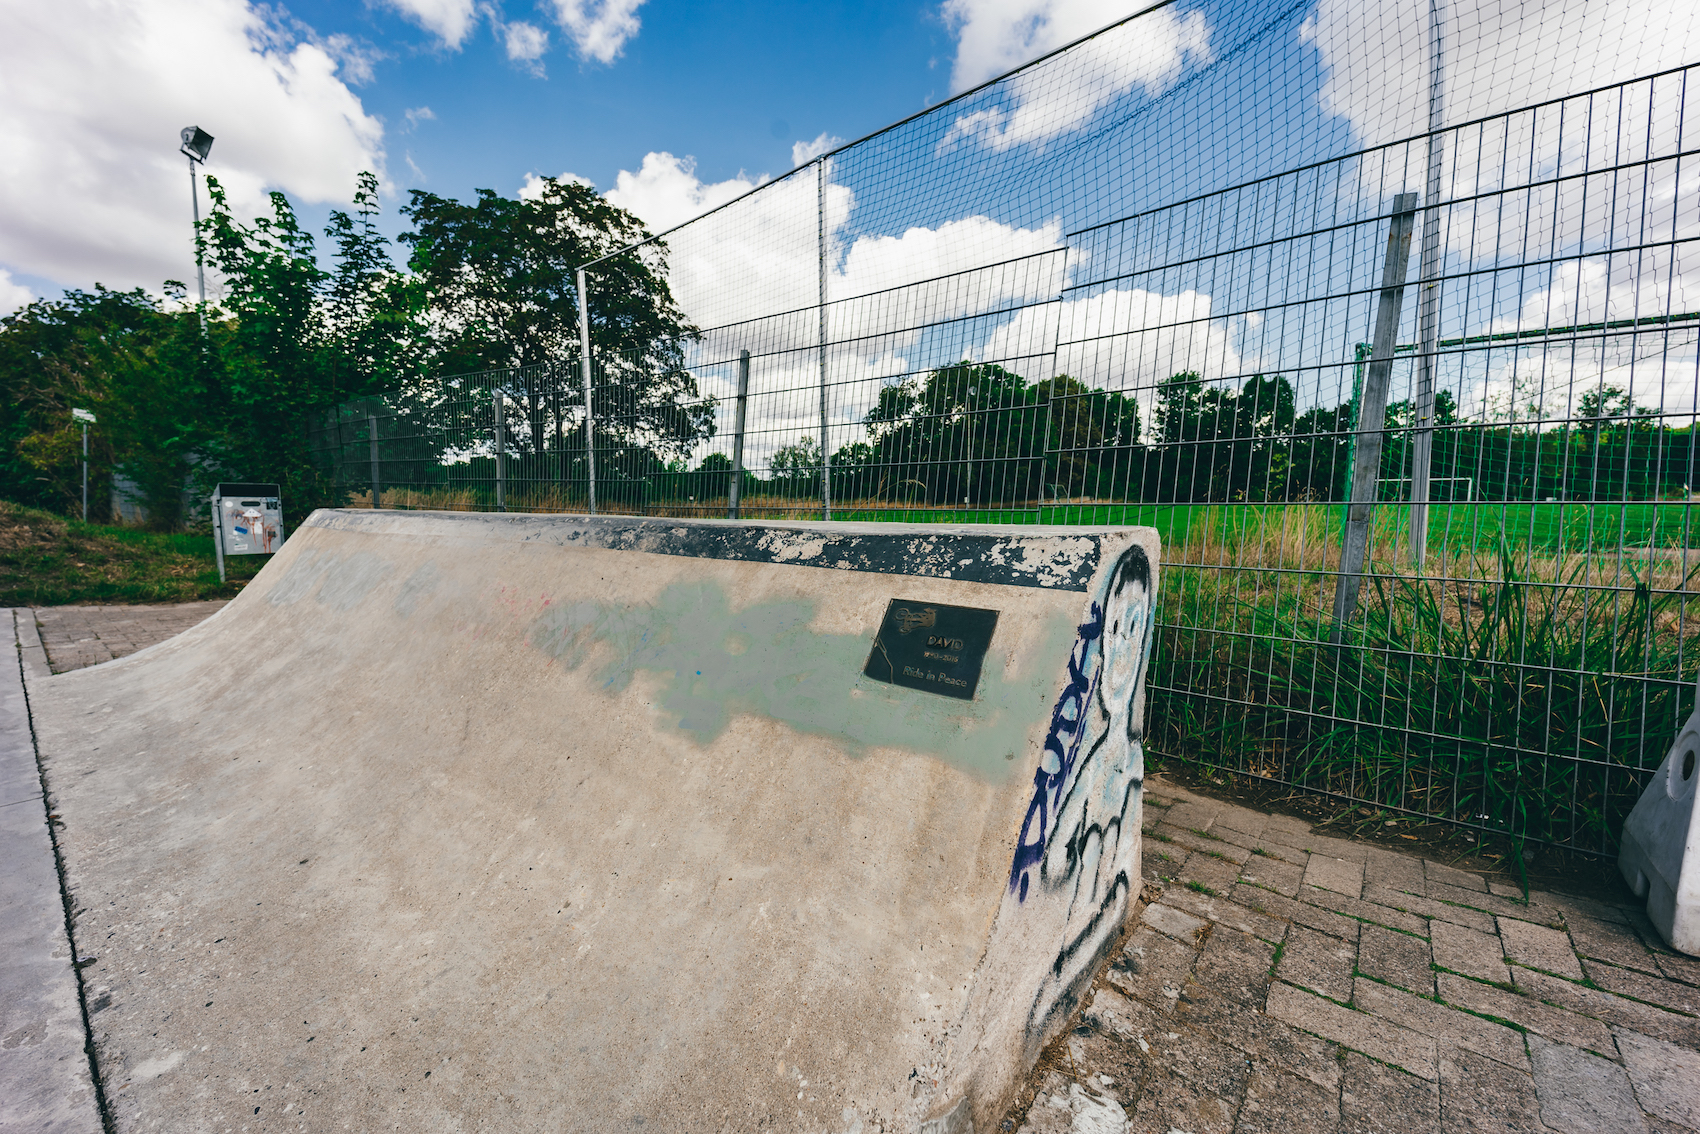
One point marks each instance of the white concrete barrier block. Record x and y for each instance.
(1660, 858)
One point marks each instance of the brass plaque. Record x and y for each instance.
(932, 646)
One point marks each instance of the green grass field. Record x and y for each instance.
(1549, 529)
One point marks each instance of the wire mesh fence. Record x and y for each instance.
(1386, 316)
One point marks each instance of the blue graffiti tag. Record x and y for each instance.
(1062, 742)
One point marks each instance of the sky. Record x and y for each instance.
(672, 109)
(442, 95)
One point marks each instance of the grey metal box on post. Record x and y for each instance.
(247, 520)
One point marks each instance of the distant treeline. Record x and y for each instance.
(978, 434)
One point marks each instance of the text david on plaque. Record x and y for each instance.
(932, 646)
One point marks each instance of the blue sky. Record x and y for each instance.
(453, 95)
(445, 95)
(732, 84)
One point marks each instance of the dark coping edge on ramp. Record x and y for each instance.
(1054, 558)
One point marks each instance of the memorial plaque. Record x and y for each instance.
(932, 646)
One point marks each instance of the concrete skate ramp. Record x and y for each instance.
(488, 822)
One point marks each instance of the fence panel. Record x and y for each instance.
(1138, 282)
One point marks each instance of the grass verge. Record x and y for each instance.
(47, 560)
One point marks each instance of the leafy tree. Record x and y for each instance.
(497, 277)
(374, 313)
(796, 466)
(1092, 437)
(117, 354)
(972, 432)
(279, 367)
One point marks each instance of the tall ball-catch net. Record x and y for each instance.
(1385, 314)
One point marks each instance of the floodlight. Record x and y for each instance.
(197, 143)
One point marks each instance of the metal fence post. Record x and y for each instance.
(501, 471)
(218, 536)
(738, 436)
(372, 443)
(1428, 297)
(820, 218)
(1372, 414)
(589, 412)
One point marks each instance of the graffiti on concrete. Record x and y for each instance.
(1079, 841)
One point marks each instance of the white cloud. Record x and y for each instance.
(533, 188)
(665, 191)
(762, 256)
(13, 294)
(92, 95)
(417, 114)
(1130, 339)
(1498, 55)
(876, 263)
(599, 28)
(1055, 98)
(449, 20)
(751, 271)
(526, 44)
(356, 61)
(804, 152)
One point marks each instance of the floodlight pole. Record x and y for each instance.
(200, 270)
(197, 144)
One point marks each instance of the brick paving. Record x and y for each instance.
(1285, 980)
(78, 636)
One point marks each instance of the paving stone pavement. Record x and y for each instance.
(78, 636)
(1282, 980)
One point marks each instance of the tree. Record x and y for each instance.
(1092, 437)
(796, 466)
(141, 368)
(497, 277)
(972, 432)
(374, 313)
(279, 368)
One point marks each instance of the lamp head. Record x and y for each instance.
(197, 143)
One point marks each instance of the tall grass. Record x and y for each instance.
(1528, 697)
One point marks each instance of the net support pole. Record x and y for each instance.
(738, 436)
(1372, 413)
(372, 452)
(589, 412)
(820, 239)
(501, 472)
(1428, 295)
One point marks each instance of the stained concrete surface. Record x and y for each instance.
(1302, 1080)
(438, 827)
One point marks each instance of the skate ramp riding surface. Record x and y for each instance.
(457, 822)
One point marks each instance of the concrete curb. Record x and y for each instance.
(45, 1083)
